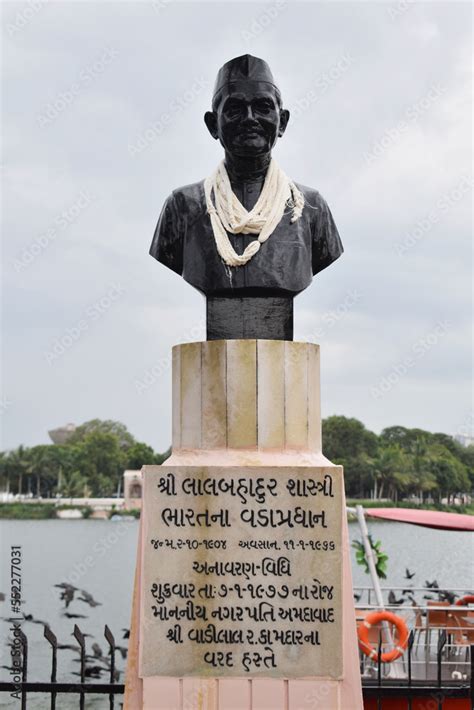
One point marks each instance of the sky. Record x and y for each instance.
(102, 117)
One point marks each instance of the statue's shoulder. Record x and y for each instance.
(312, 197)
(189, 197)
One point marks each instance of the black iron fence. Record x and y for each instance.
(21, 686)
(376, 689)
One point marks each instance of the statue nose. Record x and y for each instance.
(249, 117)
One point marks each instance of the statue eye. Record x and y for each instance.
(233, 108)
(263, 107)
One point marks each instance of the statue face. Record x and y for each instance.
(248, 119)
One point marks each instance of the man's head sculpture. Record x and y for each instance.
(247, 237)
(247, 115)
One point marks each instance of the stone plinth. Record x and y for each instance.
(246, 394)
(240, 407)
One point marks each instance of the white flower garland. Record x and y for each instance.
(229, 215)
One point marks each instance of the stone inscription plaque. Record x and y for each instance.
(242, 572)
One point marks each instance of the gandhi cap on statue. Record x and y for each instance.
(248, 237)
(244, 68)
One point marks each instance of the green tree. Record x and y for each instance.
(450, 473)
(103, 426)
(347, 442)
(139, 455)
(161, 458)
(4, 473)
(102, 461)
(393, 472)
(407, 439)
(72, 484)
(17, 467)
(42, 467)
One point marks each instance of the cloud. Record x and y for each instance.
(396, 59)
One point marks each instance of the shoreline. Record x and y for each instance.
(55, 511)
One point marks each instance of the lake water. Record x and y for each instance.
(99, 556)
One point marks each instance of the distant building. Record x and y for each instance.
(132, 489)
(62, 433)
(464, 440)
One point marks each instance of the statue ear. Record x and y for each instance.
(284, 118)
(210, 119)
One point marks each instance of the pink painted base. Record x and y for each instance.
(248, 403)
(160, 693)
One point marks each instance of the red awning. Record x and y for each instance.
(427, 518)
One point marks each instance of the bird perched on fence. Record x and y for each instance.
(31, 619)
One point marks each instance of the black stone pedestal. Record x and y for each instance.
(234, 318)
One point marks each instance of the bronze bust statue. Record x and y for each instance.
(247, 237)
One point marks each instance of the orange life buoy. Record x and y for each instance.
(464, 601)
(375, 618)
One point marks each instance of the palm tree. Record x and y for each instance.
(19, 465)
(392, 470)
(4, 473)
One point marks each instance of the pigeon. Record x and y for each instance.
(88, 657)
(408, 574)
(92, 672)
(446, 596)
(357, 596)
(88, 599)
(126, 633)
(392, 600)
(97, 650)
(67, 596)
(68, 615)
(123, 651)
(432, 585)
(84, 635)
